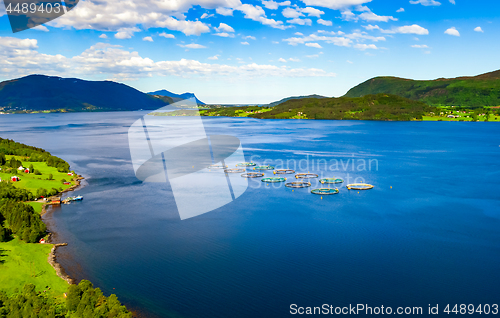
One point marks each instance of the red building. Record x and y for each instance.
(14, 179)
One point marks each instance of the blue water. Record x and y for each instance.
(433, 238)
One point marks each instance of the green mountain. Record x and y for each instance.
(369, 107)
(477, 91)
(40, 92)
(293, 97)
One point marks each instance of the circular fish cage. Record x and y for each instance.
(246, 164)
(263, 168)
(284, 171)
(331, 180)
(325, 191)
(274, 179)
(359, 186)
(252, 175)
(217, 167)
(234, 170)
(306, 175)
(299, 184)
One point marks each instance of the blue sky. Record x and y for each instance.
(237, 51)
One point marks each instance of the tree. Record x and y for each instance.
(3, 161)
(32, 170)
(2, 237)
(50, 177)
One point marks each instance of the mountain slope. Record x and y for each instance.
(40, 92)
(476, 91)
(293, 97)
(177, 97)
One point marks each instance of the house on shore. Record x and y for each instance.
(14, 179)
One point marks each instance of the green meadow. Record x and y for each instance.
(26, 263)
(33, 182)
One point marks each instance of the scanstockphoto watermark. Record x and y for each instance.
(348, 169)
(311, 163)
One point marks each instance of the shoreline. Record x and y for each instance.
(52, 258)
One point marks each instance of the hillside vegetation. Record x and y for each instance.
(473, 92)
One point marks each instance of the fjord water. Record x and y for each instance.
(428, 233)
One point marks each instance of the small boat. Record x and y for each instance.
(78, 198)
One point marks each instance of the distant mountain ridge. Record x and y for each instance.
(293, 97)
(470, 91)
(40, 92)
(176, 97)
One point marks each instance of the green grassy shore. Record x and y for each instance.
(29, 285)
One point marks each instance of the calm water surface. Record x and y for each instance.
(434, 237)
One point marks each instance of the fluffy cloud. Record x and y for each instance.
(250, 37)
(192, 46)
(126, 33)
(224, 28)
(362, 46)
(147, 38)
(20, 57)
(418, 46)
(215, 57)
(282, 60)
(400, 10)
(335, 4)
(406, 29)
(224, 11)
(452, 31)
(245, 43)
(316, 45)
(426, 2)
(452, 1)
(41, 27)
(312, 12)
(325, 22)
(103, 36)
(300, 21)
(206, 16)
(478, 29)
(366, 15)
(272, 5)
(166, 35)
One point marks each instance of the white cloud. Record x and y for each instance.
(147, 38)
(420, 46)
(256, 13)
(20, 57)
(312, 12)
(215, 57)
(166, 35)
(115, 15)
(300, 21)
(407, 29)
(125, 33)
(294, 59)
(224, 28)
(291, 13)
(370, 16)
(478, 29)
(325, 22)
(426, 2)
(282, 60)
(452, 1)
(206, 16)
(334, 4)
(349, 62)
(41, 28)
(250, 37)
(273, 5)
(103, 36)
(192, 46)
(245, 43)
(363, 46)
(339, 41)
(299, 33)
(316, 45)
(224, 11)
(276, 42)
(225, 34)
(400, 10)
(452, 31)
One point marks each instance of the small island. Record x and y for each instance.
(30, 179)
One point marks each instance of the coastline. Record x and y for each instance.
(52, 258)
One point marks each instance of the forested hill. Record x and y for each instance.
(40, 92)
(477, 91)
(281, 101)
(370, 107)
